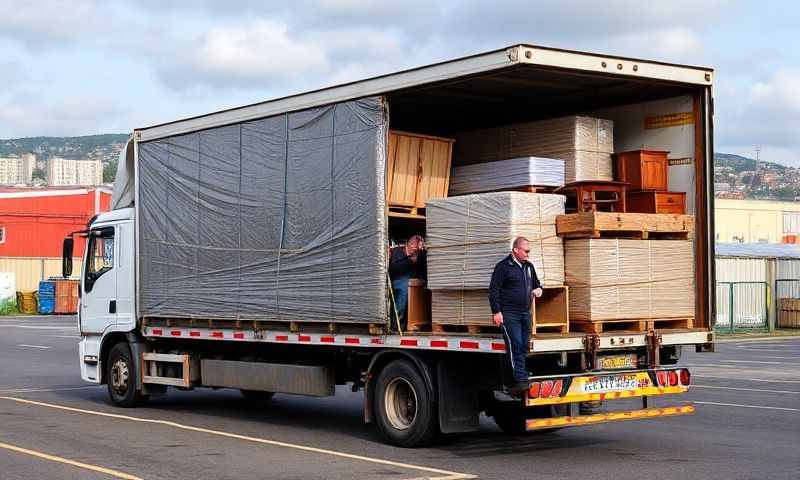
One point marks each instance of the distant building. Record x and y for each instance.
(33, 224)
(755, 221)
(722, 186)
(17, 170)
(67, 172)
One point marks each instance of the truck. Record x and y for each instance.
(247, 249)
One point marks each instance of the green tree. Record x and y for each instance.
(110, 171)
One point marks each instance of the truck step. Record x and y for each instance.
(175, 370)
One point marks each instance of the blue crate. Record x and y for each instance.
(47, 289)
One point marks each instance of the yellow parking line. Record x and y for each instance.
(446, 474)
(54, 458)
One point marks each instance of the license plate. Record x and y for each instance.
(616, 362)
(610, 383)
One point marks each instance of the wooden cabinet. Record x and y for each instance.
(642, 169)
(417, 169)
(656, 202)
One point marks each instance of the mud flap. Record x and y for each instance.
(458, 398)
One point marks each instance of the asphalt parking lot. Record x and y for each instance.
(52, 425)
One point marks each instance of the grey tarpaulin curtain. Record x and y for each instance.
(280, 218)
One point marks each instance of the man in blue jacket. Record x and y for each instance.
(514, 284)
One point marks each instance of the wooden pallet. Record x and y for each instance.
(631, 325)
(406, 212)
(644, 226)
(460, 328)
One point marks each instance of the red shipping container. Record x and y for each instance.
(66, 296)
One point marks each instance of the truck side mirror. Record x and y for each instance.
(66, 257)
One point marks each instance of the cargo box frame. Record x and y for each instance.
(505, 73)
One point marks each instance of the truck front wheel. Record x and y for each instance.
(121, 375)
(406, 413)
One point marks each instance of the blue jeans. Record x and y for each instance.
(400, 288)
(516, 333)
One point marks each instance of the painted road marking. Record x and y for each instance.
(749, 406)
(796, 357)
(746, 389)
(759, 361)
(53, 458)
(40, 327)
(35, 389)
(32, 346)
(747, 379)
(446, 474)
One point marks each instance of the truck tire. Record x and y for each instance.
(405, 410)
(121, 375)
(256, 396)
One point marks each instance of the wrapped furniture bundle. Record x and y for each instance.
(468, 235)
(507, 174)
(616, 279)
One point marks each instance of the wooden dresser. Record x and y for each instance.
(646, 173)
(642, 169)
(656, 202)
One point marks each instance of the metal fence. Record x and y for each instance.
(787, 288)
(742, 305)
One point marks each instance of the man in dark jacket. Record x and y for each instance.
(406, 262)
(514, 284)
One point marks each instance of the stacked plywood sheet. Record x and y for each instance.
(469, 234)
(618, 279)
(506, 175)
(584, 143)
(461, 307)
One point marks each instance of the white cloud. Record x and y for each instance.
(779, 92)
(48, 23)
(765, 114)
(256, 53)
(29, 114)
(664, 44)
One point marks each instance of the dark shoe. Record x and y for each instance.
(518, 388)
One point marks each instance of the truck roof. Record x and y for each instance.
(513, 69)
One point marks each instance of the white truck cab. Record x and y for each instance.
(107, 286)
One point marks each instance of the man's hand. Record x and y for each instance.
(498, 318)
(537, 293)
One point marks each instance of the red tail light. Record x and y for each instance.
(673, 378)
(557, 386)
(534, 390)
(685, 377)
(662, 378)
(546, 389)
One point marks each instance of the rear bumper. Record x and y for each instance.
(606, 385)
(576, 421)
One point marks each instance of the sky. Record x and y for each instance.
(82, 67)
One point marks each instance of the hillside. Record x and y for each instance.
(90, 146)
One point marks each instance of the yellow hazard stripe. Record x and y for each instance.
(536, 424)
(588, 397)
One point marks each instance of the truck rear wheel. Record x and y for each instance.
(121, 375)
(406, 413)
